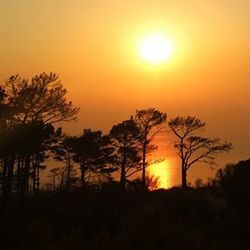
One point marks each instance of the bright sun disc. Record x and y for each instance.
(155, 49)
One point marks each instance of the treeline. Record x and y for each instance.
(214, 217)
(30, 111)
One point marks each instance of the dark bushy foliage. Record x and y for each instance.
(234, 181)
(116, 219)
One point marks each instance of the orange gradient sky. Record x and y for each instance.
(93, 46)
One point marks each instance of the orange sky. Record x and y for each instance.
(93, 46)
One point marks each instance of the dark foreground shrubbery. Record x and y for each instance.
(117, 220)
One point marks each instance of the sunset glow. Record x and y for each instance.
(114, 57)
(124, 124)
(163, 172)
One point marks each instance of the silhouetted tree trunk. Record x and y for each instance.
(18, 172)
(24, 187)
(183, 167)
(38, 180)
(4, 178)
(62, 179)
(8, 179)
(68, 171)
(184, 177)
(123, 173)
(144, 165)
(34, 178)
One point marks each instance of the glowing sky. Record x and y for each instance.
(93, 46)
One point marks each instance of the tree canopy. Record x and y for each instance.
(191, 147)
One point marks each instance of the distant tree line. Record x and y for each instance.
(31, 114)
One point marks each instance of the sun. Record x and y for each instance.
(155, 48)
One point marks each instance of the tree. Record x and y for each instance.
(54, 173)
(43, 98)
(193, 148)
(23, 104)
(233, 181)
(125, 140)
(150, 122)
(63, 152)
(34, 141)
(93, 153)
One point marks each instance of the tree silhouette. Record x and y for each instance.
(233, 179)
(27, 110)
(93, 153)
(63, 151)
(28, 145)
(53, 174)
(150, 122)
(192, 148)
(43, 98)
(125, 138)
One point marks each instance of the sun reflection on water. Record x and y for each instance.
(162, 171)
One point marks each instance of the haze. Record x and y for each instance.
(92, 45)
